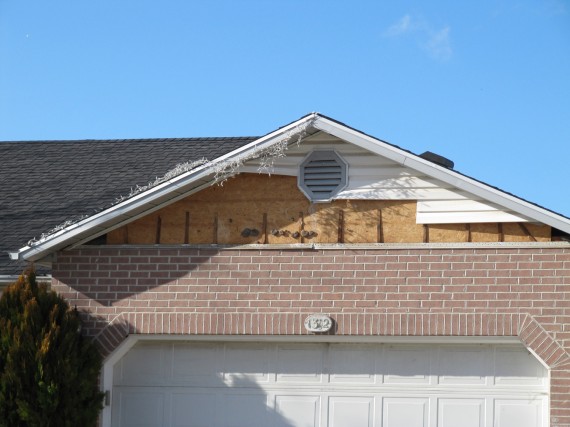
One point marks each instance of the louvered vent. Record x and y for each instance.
(322, 175)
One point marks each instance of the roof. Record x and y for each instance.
(88, 177)
(48, 182)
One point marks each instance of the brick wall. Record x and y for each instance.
(492, 291)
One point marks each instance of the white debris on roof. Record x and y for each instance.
(267, 155)
(222, 171)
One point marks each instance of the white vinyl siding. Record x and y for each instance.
(328, 385)
(372, 177)
(463, 211)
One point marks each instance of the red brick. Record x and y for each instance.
(467, 291)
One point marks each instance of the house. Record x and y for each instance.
(314, 276)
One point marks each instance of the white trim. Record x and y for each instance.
(106, 382)
(343, 339)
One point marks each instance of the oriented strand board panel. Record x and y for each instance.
(448, 233)
(380, 221)
(172, 221)
(485, 232)
(232, 213)
(119, 236)
(323, 219)
(361, 220)
(255, 208)
(399, 223)
(521, 232)
(143, 231)
(284, 220)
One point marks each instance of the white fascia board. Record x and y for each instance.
(361, 140)
(443, 174)
(147, 201)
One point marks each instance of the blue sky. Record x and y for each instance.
(485, 83)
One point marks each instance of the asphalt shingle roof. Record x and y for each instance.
(45, 183)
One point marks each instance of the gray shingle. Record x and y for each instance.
(44, 183)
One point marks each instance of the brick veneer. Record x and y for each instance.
(431, 291)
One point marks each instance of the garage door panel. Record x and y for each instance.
(515, 367)
(352, 364)
(298, 410)
(245, 410)
(406, 412)
(351, 411)
(406, 365)
(148, 359)
(196, 364)
(519, 413)
(461, 412)
(193, 409)
(140, 409)
(246, 364)
(463, 366)
(300, 363)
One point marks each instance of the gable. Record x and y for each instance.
(377, 171)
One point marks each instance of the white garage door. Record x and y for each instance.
(334, 385)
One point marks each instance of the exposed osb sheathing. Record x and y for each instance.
(272, 210)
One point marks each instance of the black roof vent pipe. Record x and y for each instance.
(437, 159)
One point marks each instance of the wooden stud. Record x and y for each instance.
(215, 237)
(526, 231)
(426, 233)
(265, 229)
(158, 228)
(469, 237)
(341, 226)
(379, 229)
(187, 229)
(302, 219)
(501, 234)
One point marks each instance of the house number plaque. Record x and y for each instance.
(318, 323)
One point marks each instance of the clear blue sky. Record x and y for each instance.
(485, 83)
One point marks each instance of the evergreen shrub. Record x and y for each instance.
(48, 371)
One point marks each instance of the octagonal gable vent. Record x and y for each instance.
(322, 175)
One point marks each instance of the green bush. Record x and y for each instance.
(48, 370)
